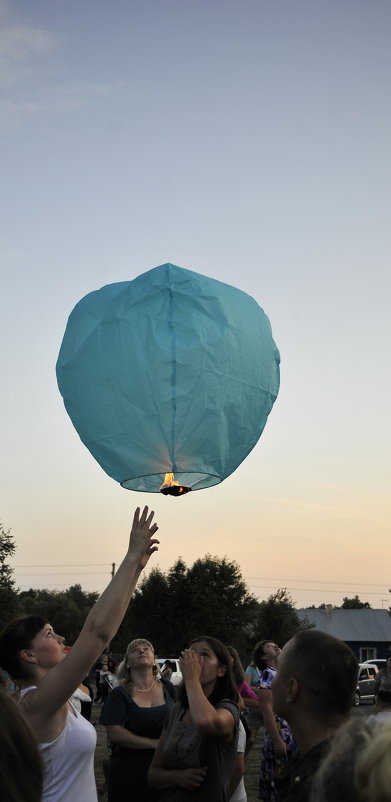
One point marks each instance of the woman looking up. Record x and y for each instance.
(197, 749)
(252, 674)
(383, 678)
(134, 714)
(248, 699)
(34, 655)
(278, 743)
(244, 688)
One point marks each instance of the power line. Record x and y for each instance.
(64, 565)
(77, 573)
(316, 590)
(281, 582)
(324, 581)
(266, 578)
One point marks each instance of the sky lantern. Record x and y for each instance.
(168, 379)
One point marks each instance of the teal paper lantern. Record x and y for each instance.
(172, 372)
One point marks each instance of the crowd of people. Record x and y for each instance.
(185, 743)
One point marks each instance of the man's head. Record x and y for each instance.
(317, 673)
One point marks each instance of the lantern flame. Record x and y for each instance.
(169, 480)
(172, 488)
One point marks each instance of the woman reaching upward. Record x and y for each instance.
(278, 744)
(34, 655)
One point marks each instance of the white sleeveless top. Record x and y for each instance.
(69, 761)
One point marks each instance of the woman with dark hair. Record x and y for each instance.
(248, 699)
(21, 770)
(197, 749)
(252, 674)
(166, 670)
(134, 715)
(249, 696)
(48, 675)
(278, 744)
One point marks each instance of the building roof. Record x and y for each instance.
(351, 625)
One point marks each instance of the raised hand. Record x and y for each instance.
(190, 665)
(141, 542)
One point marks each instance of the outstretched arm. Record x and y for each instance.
(266, 705)
(101, 624)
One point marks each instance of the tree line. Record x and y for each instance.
(169, 608)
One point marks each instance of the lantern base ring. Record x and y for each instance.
(188, 480)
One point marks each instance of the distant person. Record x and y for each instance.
(86, 705)
(82, 696)
(34, 655)
(313, 690)
(237, 788)
(111, 662)
(278, 744)
(382, 709)
(248, 699)
(166, 670)
(383, 678)
(7, 684)
(21, 770)
(134, 714)
(249, 696)
(252, 675)
(104, 684)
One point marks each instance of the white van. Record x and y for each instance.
(176, 676)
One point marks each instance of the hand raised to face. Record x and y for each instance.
(191, 665)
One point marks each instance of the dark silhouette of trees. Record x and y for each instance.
(9, 605)
(277, 619)
(209, 598)
(354, 604)
(65, 610)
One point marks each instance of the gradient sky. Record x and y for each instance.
(248, 141)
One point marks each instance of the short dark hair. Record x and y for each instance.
(16, 636)
(225, 687)
(258, 656)
(325, 667)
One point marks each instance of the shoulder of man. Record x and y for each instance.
(295, 784)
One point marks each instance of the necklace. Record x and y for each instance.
(144, 690)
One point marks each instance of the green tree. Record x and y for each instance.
(65, 610)
(277, 619)
(208, 598)
(220, 602)
(354, 604)
(146, 616)
(9, 605)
